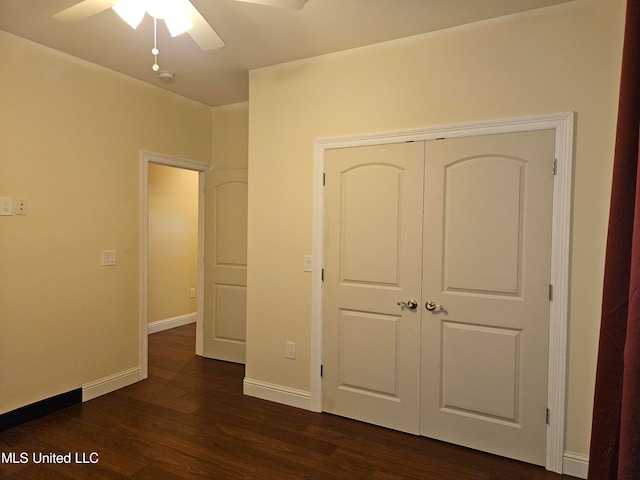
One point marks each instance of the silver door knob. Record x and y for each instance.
(430, 305)
(412, 304)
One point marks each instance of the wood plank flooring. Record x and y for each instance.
(190, 420)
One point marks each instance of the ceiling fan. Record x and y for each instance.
(199, 29)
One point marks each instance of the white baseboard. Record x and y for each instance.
(111, 383)
(167, 323)
(575, 465)
(277, 393)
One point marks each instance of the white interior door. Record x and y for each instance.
(225, 267)
(479, 370)
(373, 243)
(487, 254)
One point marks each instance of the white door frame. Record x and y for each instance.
(562, 123)
(145, 159)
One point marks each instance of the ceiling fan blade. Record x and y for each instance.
(292, 4)
(202, 33)
(83, 10)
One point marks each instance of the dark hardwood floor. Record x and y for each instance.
(189, 419)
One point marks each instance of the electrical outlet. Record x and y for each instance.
(108, 258)
(6, 206)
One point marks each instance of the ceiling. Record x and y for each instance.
(255, 36)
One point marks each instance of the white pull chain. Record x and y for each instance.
(155, 50)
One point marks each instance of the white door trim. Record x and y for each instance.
(145, 159)
(562, 123)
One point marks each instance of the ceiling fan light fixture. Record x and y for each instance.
(131, 11)
(175, 13)
(159, 9)
(178, 23)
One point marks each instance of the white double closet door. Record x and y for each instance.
(436, 288)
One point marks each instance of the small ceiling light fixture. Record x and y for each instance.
(175, 13)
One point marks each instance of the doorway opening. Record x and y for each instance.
(147, 159)
(172, 226)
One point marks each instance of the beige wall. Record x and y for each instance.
(230, 130)
(560, 59)
(172, 241)
(70, 136)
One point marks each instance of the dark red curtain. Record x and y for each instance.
(615, 436)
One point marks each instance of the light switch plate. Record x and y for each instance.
(291, 350)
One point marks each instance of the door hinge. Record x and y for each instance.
(321, 370)
(550, 292)
(322, 275)
(555, 166)
(324, 179)
(548, 416)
